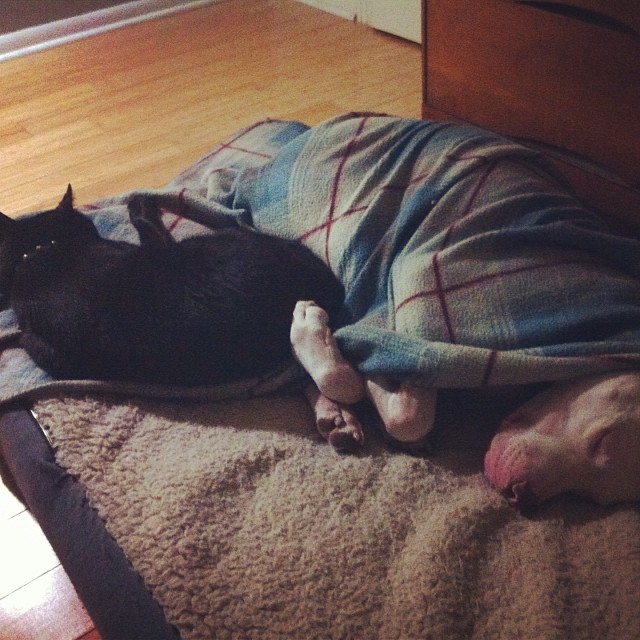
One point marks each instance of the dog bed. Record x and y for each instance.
(468, 267)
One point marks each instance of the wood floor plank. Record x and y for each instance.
(44, 609)
(133, 106)
(25, 553)
(10, 506)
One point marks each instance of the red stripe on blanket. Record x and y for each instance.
(229, 144)
(321, 227)
(249, 151)
(470, 203)
(336, 184)
(175, 222)
(349, 212)
(440, 291)
(491, 363)
(405, 185)
(178, 215)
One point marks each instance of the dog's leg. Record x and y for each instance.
(146, 217)
(317, 351)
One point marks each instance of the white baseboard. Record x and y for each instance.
(399, 17)
(344, 8)
(44, 36)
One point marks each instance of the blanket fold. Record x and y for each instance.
(466, 244)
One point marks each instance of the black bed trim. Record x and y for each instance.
(111, 590)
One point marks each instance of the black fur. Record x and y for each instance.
(208, 309)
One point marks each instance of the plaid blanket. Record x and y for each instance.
(466, 260)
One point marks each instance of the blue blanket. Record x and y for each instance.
(466, 260)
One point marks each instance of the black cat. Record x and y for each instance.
(207, 309)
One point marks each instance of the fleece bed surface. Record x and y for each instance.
(243, 525)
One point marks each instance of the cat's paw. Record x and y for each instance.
(146, 216)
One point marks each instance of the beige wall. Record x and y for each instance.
(20, 14)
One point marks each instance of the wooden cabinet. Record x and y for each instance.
(564, 75)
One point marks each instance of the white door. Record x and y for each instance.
(400, 17)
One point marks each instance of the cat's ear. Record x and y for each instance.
(66, 204)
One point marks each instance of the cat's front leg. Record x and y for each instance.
(146, 216)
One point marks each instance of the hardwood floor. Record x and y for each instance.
(131, 108)
(37, 600)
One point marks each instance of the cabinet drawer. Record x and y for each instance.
(564, 74)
